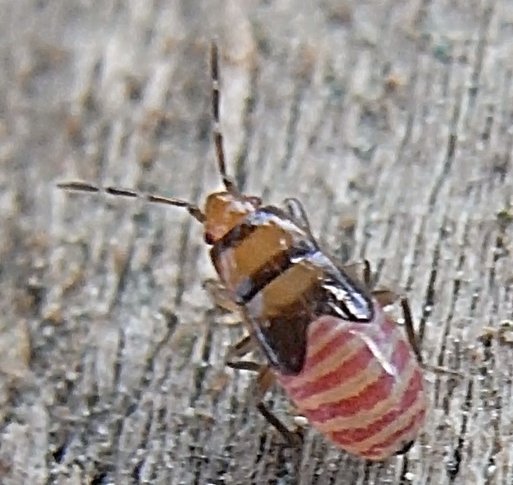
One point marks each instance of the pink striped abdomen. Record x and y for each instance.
(361, 385)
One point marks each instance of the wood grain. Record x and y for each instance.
(391, 121)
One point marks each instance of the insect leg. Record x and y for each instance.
(79, 186)
(386, 297)
(220, 295)
(238, 350)
(263, 382)
(367, 274)
(245, 365)
(412, 338)
(410, 331)
(361, 271)
(297, 212)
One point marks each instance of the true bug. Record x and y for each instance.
(327, 340)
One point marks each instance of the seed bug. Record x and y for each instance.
(326, 338)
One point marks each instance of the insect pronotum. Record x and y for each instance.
(342, 360)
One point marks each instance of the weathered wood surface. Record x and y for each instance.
(394, 116)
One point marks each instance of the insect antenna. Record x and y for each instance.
(218, 135)
(78, 186)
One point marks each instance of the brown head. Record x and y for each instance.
(224, 210)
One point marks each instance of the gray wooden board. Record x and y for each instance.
(391, 121)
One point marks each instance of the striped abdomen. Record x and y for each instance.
(361, 385)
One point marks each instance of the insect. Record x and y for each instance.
(327, 340)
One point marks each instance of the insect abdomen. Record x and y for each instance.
(361, 386)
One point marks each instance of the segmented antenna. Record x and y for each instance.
(79, 186)
(218, 135)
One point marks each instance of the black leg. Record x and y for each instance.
(412, 338)
(238, 350)
(297, 212)
(293, 438)
(410, 331)
(361, 271)
(245, 365)
(261, 385)
(263, 382)
(220, 295)
(367, 274)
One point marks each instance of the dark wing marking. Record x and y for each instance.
(283, 338)
(273, 268)
(342, 295)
